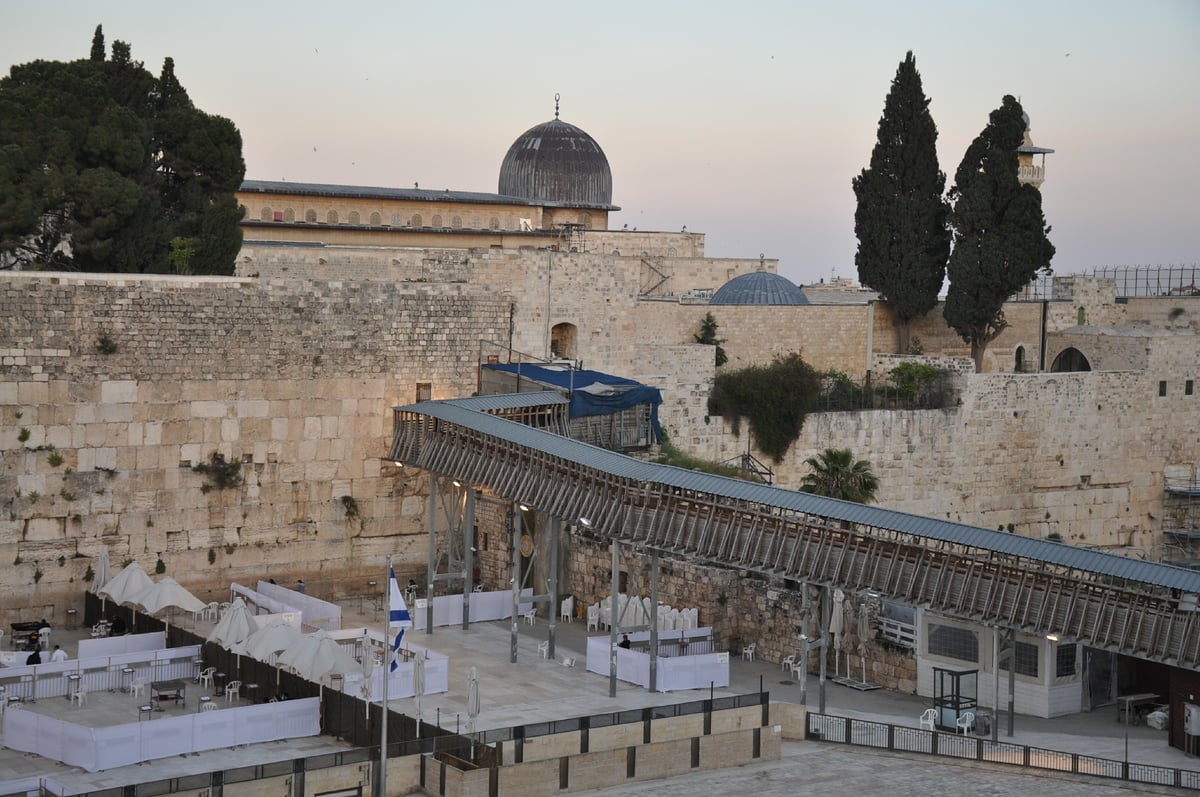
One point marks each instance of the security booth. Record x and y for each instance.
(955, 692)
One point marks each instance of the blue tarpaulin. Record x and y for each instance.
(591, 392)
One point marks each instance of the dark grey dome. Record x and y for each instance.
(557, 163)
(759, 288)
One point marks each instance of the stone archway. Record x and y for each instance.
(563, 339)
(1070, 360)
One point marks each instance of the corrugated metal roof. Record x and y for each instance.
(1056, 553)
(509, 401)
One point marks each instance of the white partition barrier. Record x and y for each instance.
(261, 601)
(316, 612)
(97, 749)
(695, 671)
(485, 607)
(400, 684)
(37, 681)
(115, 645)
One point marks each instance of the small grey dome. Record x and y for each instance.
(759, 288)
(558, 163)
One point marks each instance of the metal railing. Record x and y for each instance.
(901, 738)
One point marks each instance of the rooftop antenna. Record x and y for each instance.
(556, 96)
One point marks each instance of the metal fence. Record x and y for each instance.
(1132, 281)
(901, 738)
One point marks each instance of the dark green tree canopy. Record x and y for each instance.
(835, 473)
(900, 219)
(708, 336)
(104, 167)
(1000, 234)
(775, 398)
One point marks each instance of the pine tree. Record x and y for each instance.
(1000, 233)
(900, 220)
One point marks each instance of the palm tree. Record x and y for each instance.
(836, 474)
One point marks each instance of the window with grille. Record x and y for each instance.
(953, 642)
(1064, 661)
(424, 391)
(1026, 656)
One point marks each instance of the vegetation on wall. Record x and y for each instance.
(222, 474)
(670, 455)
(774, 398)
(708, 337)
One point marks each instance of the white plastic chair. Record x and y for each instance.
(748, 651)
(531, 616)
(568, 608)
(788, 661)
(568, 661)
(593, 618)
(231, 691)
(965, 722)
(544, 649)
(80, 694)
(929, 719)
(137, 687)
(210, 706)
(206, 676)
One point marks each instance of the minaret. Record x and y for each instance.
(1027, 170)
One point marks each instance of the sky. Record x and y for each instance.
(743, 122)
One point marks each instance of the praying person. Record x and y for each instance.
(59, 654)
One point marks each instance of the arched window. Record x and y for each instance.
(396, 220)
(376, 220)
(1070, 360)
(562, 341)
(416, 220)
(289, 214)
(331, 217)
(310, 216)
(266, 214)
(1019, 361)
(456, 222)
(494, 223)
(671, 252)
(353, 217)
(616, 253)
(1080, 317)
(437, 220)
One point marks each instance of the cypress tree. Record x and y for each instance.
(900, 220)
(98, 44)
(1000, 234)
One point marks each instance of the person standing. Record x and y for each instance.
(59, 654)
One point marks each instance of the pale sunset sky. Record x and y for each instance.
(744, 121)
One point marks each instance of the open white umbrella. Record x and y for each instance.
(235, 625)
(126, 585)
(472, 699)
(317, 655)
(419, 683)
(268, 640)
(167, 593)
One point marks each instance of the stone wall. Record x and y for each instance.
(112, 390)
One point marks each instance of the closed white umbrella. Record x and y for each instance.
(101, 576)
(837, 622)
(268, 640)
(472, 699)
(419, 683)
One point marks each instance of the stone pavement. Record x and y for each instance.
(535, 689)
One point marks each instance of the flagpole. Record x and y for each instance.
(387, 672)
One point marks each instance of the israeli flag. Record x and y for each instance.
(398, 616)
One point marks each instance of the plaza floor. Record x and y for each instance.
(536, 689)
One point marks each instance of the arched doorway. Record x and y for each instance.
(1070, 360)
(562, 342)
(1019, 364)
